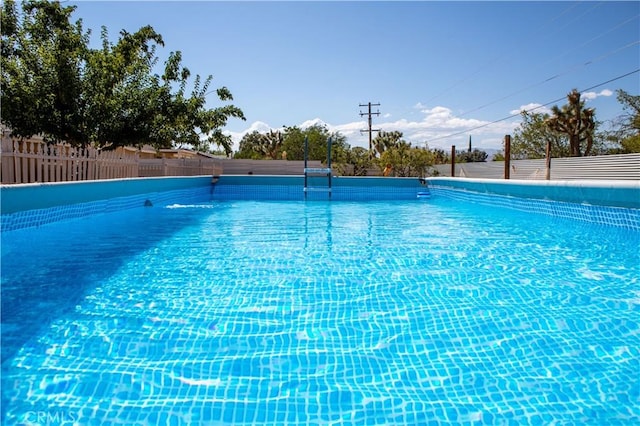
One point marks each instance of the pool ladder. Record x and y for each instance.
(317, 172)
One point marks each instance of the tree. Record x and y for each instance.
(626, 135)
(440, 156)
(498, 156)
(356, 162)
(406, 160)
(132, 106)
(270, 145)
(530, 138)
(186, 120)
(475, 156)
(54, 85)
(124, 98)
(249, 147)
(420, 161)
(575, 121)
(41, 78)
(386, 140)
(317, 136)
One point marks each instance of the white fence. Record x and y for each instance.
(618, 167)
(34, 161)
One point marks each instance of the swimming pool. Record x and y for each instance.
(290, 312)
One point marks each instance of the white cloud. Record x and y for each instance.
(531, 107)
(441, 128)
(314, 122)
(592, 95)
(438, 126)
(349, 128)
(387, 115)
(258, 126)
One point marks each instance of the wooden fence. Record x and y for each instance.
(266, 167)
(32, 161)
(179, 167)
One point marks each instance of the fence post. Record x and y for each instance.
(548, 171)
(7, 158)
(453, 161)
(507, 156)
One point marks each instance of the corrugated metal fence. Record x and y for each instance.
(618, 167)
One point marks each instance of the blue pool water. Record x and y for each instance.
(374, 313)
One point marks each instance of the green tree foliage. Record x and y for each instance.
(575, 121)
(625, 137)
(249, 147)
(317, 136)
(273, 144)
(386, 140)
(570, 123)
(498, 156)
(123, 96)
(404, 159)
(474, 156)
(356, 162)
(440, 156)
(41, 78)
(270, 145)
(54, 85)
(530, 138)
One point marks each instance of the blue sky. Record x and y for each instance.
(441, 71)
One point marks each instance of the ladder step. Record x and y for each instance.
(317, 170)
(317, 189)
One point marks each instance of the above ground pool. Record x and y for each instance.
(445, 306)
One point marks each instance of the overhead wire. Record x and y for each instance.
(573, 68)
(553, 77)
(495, 59)
(466, 131)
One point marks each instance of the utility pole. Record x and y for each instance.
(370, 130)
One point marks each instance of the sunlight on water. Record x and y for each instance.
(321, 313)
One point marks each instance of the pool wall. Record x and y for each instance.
(256, 187)
(623, 193)
(610, 203)
(36, 204)
(615, 203)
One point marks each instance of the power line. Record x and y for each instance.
(533, 109)
(537, 30)
(562, 73)
(553, 77)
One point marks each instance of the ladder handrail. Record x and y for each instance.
(315, 170)
(306, 150)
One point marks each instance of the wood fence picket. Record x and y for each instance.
(30, 161)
